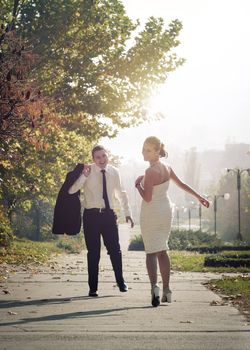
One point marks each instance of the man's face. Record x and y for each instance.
(100, 158)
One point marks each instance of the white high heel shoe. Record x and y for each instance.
(155, 293)
(166, 296)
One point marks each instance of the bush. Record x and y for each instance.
(217, 249)
(179, 240)
(185, 239)
(136, 243)
(228, 260)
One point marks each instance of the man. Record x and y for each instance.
(101, 183)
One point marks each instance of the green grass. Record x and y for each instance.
(186, 261)
(193, 261)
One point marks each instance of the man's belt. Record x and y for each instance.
(99, 210)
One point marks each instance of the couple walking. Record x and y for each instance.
(101, 183)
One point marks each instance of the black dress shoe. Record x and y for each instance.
(93, 293)
(123, 287)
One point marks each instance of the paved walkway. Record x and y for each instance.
(48, 308)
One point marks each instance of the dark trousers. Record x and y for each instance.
(95, 224)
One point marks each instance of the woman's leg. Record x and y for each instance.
(164, 264)
(151, 263)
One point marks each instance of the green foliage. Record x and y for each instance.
(226, 246)
(30, 186)
(6, 236)
(180, 240)
(88, 64)
(136, 243)
(20, 103)
(93, 79)
(184, 239)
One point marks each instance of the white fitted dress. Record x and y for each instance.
(156, 219)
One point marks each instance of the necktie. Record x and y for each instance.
(104, 186)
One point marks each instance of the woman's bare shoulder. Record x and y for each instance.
(151, 173)
(167, 168)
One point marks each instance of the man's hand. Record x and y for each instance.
(128, 218)
(86, 170)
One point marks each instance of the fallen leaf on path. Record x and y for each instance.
(5, 291)
(12, 313)
(218, 303)
(188, 321)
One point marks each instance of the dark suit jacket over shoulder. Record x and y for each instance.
(67, 212)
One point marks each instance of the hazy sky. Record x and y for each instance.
(206, 102)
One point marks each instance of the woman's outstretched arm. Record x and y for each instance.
(188, 189)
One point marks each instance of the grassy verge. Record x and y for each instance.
(25, 252)
(235, 290)
(193, 261)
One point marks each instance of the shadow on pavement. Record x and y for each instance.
(73, 315)
(18, 303)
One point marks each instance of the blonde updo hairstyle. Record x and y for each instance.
(158, 145)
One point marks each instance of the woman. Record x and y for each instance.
(156, 214)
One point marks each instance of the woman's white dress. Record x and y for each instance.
(156, 219)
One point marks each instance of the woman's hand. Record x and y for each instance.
(138, 180)
(203, 201)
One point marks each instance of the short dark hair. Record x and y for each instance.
(98, 148)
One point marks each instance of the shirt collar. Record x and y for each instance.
(98, 169)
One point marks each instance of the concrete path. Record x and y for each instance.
(48, 308)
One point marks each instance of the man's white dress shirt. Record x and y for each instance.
(93, 189)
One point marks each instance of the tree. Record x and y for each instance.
(92, 81)
(85, 61)
(39, 173)
(20, 103)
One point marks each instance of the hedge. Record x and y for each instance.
(217, 249)
(180, 240)
(234, 260)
